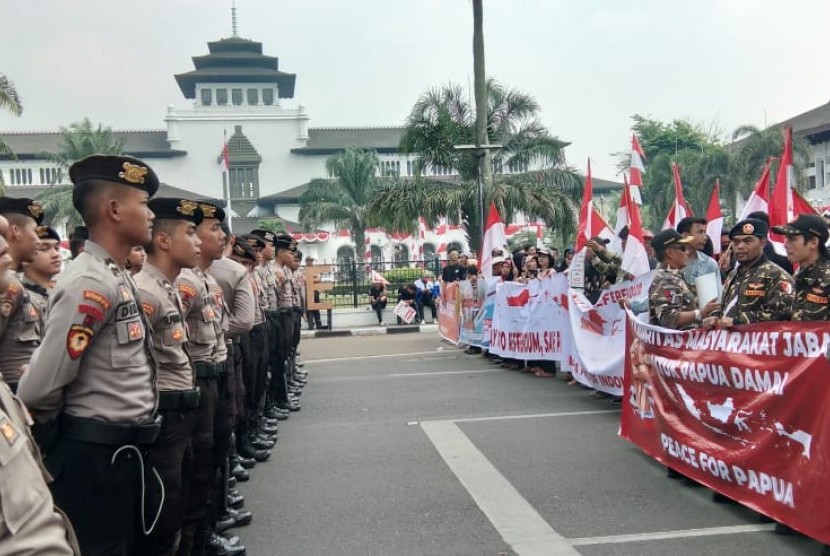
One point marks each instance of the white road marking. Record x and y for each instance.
(359, 357)
(441, 358)
(518, 523)
(535, 415)
(441, 373)
(681, 534)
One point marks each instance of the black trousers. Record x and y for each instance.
(202, 477)
(298, 327)
(314, 320)
(255, 371)
(427, 303)
(277, 390)
(101, 497)
(378, 308)
(222, 429)
(287, 325)
(172, 457)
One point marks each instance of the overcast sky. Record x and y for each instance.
(591, 64)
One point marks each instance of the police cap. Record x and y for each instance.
(123, 170)
(285, 241)
(242, 250)
(176, 209)
(79, 233)
(264, 234)
(211, 210)
(254, 241)
(808, 225)
(26, 207)
(45, 232)
(749, 227)
(667, 238)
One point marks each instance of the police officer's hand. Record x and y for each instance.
(710, 307)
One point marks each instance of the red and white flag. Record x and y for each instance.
(680, 209)
(223, 161)
(635, 256)
(600, 228)
(781, 208)
(759, 199)
(622, 214)
(494, 238)
(584, 231)
(637, 169)
(802, 205)
(714, 218)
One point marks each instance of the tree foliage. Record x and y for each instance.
(344, 201)
(9, 101)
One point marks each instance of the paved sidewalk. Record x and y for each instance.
(371, 330)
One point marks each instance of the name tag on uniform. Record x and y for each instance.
(821, 300)
(126, 311)
(208, 313)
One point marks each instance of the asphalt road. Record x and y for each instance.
(406, 446)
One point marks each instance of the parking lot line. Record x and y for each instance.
(518, 523)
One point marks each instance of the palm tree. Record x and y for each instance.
(9, 100)
(79, 140)
(343, 200)
(441, 118)
(753, 146)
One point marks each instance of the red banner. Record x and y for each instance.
(743, 411)
(449, 313)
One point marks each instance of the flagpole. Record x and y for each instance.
(226, 181)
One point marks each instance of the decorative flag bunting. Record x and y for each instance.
(637, 169)
(680, 209)
(714, 218)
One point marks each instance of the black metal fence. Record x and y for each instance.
(352, 280)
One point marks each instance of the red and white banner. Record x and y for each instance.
(449, 313)
(743, 411)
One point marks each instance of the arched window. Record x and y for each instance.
(345, 254)
(377, 254)
(401, 255)
(429, 251)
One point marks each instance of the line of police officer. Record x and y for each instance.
(151, 394)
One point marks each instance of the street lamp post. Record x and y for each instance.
(479, 152)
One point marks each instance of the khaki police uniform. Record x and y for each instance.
(20, 331)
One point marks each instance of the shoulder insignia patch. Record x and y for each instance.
(89, 310)
(77, 340)
(148, 308)
(98, 298)
(8, 431)
(6, 307)
(786, 287)
(126, 294)
(187, 291)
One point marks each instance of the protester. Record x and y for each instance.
(805, 244)
(424, 295)
(601, 268)
(567, 257)
(769, 250)
(378, 300)
(454, 271)
(546, 260)
(406, 294)
(758, 290)
(699, 263)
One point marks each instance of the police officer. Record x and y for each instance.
(39, 274)
(298, 286)
(284, 249)
(38, 528)
(19, 319)
(758, 290)
(671, 303)
(806, 239)
(174, 246)
(94, 369)
(203, 306)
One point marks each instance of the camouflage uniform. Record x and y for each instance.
(668, 296)
(598, 268)
(812, 291)
(757, 292)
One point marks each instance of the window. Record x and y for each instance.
(253, 97)
(222, 97)
(29, 175)
(236, 97)
(268, 97)
(42, 178)
(243, 182)
(207, 97)
(812, 182)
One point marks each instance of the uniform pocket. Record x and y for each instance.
(23, 495)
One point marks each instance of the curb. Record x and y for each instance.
(370, 331)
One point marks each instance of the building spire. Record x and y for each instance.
(233, 18)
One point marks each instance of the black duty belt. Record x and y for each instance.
(112, 434)
(260, 328)
(180, 400)
(272, 314)
(298, 310)
(285, 311)
(205, 369)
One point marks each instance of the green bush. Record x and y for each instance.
(403, 275)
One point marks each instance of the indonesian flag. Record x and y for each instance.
(585, 230)
(759, 199)
(802, 205)
(679, 209)
(600, 228)
(224, 160)
(781, 209)
(714, 218)
(622, 215)
(637, 169)
(635, 256)
(494, 238)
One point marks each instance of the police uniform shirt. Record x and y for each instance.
(20, 330)
(95, 360)
(260, 296)
(757, 292)
(238, 294)
(266, 276)
(218, 299)
(39, 297)
(204, 321)
(285, 294)
(812, 290)
(29, 521)
(297, 283)
(668, 296)
(162, 308)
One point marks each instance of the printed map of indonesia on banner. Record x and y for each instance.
(597, 344)
(744, 411)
